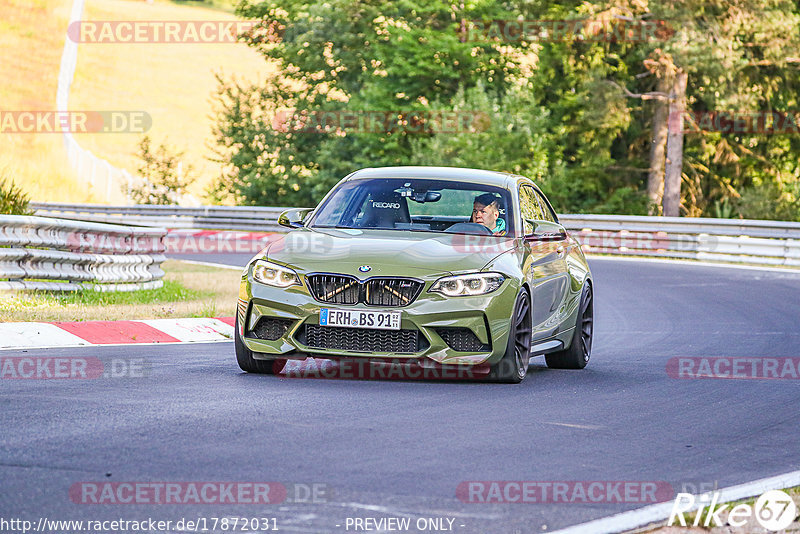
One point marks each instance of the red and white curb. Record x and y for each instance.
(84, 333)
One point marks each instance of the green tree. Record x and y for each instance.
(360, 56)
(598, 106)
(737, 56)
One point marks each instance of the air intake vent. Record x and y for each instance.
(462, 340)
(363, 339)
(271, 328)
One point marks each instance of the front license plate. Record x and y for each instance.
(360, 319)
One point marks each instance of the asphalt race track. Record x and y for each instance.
(386, 448)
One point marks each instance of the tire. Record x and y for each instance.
(247, 363)
(580, 349)
(513, 367)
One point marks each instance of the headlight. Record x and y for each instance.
(274, 275)
(468, 284)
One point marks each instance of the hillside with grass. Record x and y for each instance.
(31, 42)
(173, 83)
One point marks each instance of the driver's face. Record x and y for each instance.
(485, 215)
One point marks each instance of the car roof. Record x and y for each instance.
(478, 176)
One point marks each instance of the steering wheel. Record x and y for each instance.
(469, 228)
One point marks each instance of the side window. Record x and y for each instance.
(529, 206)
(547, 214)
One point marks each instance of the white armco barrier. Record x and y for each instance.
(247, 218)
(726, 240)
(39, 253)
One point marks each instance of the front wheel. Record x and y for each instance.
(248, 364)
(580, 349)
(514, 365)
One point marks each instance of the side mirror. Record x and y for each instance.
(293, 218)
(560, 236)
(546, 231)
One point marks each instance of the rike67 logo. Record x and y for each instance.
(774, 510)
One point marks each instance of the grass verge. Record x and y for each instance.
(173, 82)
(189, 290)
(32, 36)
(227, 6)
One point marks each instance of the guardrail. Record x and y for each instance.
(251, 219)
(38, 253)
(725, 240)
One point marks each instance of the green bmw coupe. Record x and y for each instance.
(444, 267)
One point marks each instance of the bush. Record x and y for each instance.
(625, 200)
(165, 180)
(13, 201)
(768, 202)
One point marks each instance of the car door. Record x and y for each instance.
(545, 244)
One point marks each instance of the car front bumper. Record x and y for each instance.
(432, 316)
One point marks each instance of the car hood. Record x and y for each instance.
(386, 252)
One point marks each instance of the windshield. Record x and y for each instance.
(413, 204)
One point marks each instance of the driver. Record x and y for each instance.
(486, 211)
